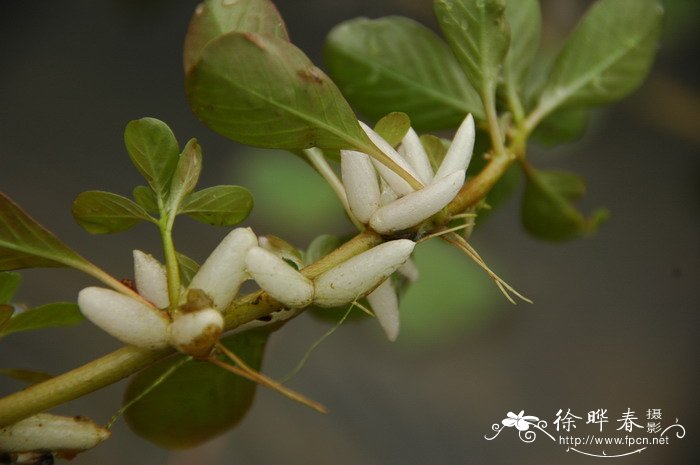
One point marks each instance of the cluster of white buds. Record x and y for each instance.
(389, 204)
(195, 325)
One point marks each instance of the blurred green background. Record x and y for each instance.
(614, 324)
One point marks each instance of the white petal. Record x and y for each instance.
(409, 270)
(359, 275)
(396, 182)
(222, 274)
(420, 205)
(195, 333)
(385, 305)
(509, 422)
(415, 154)
(459, 154)
(151, 280)
(127, 319)
(45, 431)
(361, 185)
(387, 193)
(279, 279)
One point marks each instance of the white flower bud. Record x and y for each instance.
(125, 318)
(459, 154)
(357, 276)
(417, 206)
(396, 182)
(409, 270)
(279, 279)
(151, 280)
(413, 151)
(385, 305)
(361, 184)
(54, 433)
(222, 274)
(387, 193)
(195, 333)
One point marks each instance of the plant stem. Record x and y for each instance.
(128, 360)
(171, 266)
(477, 187)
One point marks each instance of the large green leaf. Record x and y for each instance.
(24, 243)
(9, 283)
(478, 33)
(263, 91)
(396, 64)
(198, 401)
(101, 212)
(562, 126)
(54, 315)
(219, 205)
(154, 151)
(607, 56)
(213, 18)
(524, 19)
(547, 212)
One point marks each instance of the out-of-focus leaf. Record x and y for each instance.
(188, 268)
(213, 18)
(9, 283)
(547, 212)
(396, 64)
(451, 297)
(101, 212)
(607, 56)
(6, 312)
(146, 198)
(24, 243)
(477, 31)
(219, 205)
(320, 247)
(27, 376)
(196, 402)
(393, 127)
(263, 91)
(54, 315)
(524, 19)
(186, 175)
(154, 151)
(562, 126)
(436, 148)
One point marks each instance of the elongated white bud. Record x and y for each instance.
(222, 274)
(127, 319)
(414, 153)
(409, 270)
(387, 193)
(357, 276)
(54, 433)
(279, 279)
(417, 206)
(459, 154)
(361, 184)
(385, 305)
(396, 182)
(151, 280)
(195, 333)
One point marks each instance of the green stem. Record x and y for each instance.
(488, 98)
(128, 360)
(171, 265)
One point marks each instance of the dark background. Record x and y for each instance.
(614, 323)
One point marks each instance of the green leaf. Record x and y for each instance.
(101, 212)
(24, 243)
(6, 312)
(607, 56)
(263, 91)
(478, 33)
(189, 167)
(54, 315)
(27, 376)
(396, 64)
(188, 268)
(524, 19)
(219, 205)
(393, 127)
(9, 283)
(154, 151)
(436, 148)
(320, 247)
(547, 212)
(198, 401)
(562, 126)
(146, 198)
(217, 17)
